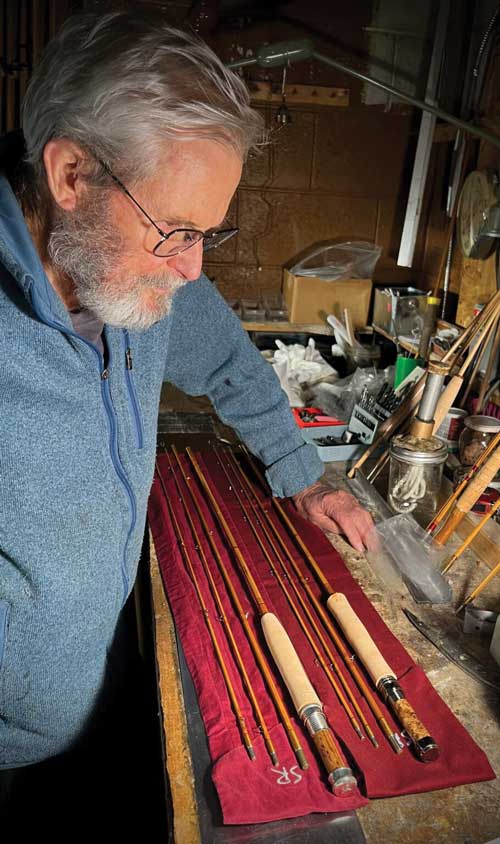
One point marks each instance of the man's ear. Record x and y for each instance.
(64, 164)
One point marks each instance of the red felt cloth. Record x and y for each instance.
(252, 792)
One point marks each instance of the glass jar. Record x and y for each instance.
(476, 434)
(415, 474)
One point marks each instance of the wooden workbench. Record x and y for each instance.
(464, 815)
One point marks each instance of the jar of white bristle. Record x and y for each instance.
(415, 474)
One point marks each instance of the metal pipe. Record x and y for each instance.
(276, 55)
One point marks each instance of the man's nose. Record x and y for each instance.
(188, 263)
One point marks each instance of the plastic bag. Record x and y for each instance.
(334, 261)
(407, 550)
(338, 399)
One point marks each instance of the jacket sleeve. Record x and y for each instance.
(210, 354)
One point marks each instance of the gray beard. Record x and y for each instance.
(85, 247)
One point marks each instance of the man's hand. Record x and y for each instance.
(338, 512)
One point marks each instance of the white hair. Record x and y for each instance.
(122, 84)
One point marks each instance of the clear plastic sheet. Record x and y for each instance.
(406, 550)
(335, 261)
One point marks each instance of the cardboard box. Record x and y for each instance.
(310, 300)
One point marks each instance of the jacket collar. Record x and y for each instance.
(19, 256)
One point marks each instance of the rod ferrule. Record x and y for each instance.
(314, 719)
(390, 689)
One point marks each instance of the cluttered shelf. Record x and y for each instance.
(288, 327)
(407, 346)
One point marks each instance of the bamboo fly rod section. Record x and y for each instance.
(384, 678)
(304, 696)
(317, 651)
(440, 515)
(392, 737)
(256, 649)
(455, 384)
(245, 735)
(469, 496)
(222, 615)
(470, 538)
(475, 592)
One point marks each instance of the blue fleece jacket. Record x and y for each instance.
(77, 450)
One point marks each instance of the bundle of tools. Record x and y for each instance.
(480, 337)
(415, 443)
(370, 410)
(196, 494)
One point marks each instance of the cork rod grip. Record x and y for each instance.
(478, 484)
(288, 663)
(358, 636)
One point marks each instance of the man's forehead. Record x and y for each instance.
(194, 184)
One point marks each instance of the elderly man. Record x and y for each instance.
(135, 137)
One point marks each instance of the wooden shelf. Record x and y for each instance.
(288, 327)
(409, 347)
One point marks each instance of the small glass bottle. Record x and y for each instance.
(476, 434)
(415, 474)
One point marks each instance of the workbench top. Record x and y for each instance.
(468, 814)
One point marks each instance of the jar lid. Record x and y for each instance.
(485, 424)
(417, 451)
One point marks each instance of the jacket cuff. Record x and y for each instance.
(295, 471)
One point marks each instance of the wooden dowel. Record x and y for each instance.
(470, 538)
(488, 334)
(485, 382)
(477, 591)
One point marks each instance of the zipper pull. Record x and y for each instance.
(128, 358)
(105, 374)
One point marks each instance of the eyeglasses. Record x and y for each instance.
(176, 240)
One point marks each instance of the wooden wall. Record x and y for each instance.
(472, 281)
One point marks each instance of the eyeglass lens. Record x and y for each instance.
(183, 239)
